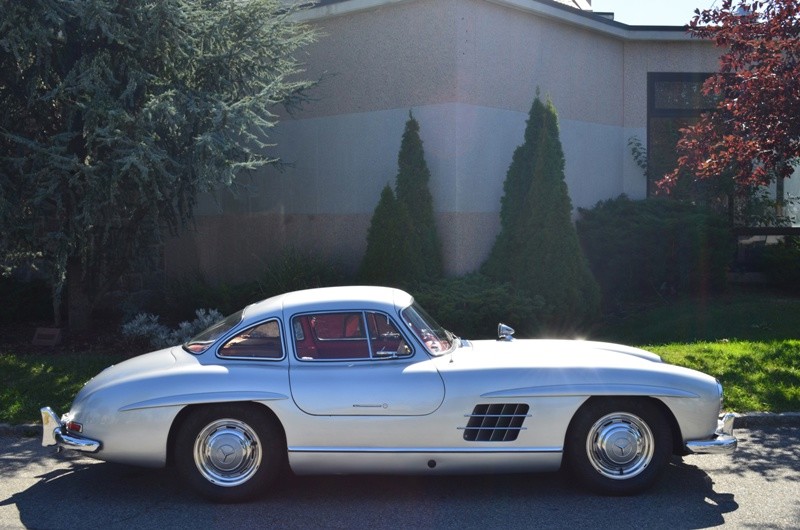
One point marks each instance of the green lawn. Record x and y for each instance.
(749, 339)
(31, 381)
(756, 376)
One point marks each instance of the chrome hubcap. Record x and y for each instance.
(620, 445)
(227, 452)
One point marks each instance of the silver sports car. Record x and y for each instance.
(361, 380)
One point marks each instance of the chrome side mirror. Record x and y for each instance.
(504, 332)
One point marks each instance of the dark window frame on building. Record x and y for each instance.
(688, 105)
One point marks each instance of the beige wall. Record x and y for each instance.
(469, 70)
(643, 57)
(401, 55)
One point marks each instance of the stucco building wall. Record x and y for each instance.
(468, 70)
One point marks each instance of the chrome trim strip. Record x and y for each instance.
(497, 415)
(492, 429)
(590, 390)
(407, 450)
(205, 397)
(722, 443)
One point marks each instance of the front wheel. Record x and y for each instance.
(229, 453)
(618, 447)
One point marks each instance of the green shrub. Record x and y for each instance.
(184, 296)
(146, 327)
(389, 259)
(292, 271)
(639, 250)
(296, 270)
(473, 305)
(402, 241)
(780, 264)
(537, 249)
(411, 186)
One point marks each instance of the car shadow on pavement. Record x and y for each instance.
(769, 451)
(94, 494)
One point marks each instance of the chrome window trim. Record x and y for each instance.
(372, 357)
(222, 342)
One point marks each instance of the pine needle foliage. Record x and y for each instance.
(116, 115)
(388, 244)
(414, 194)
(537, 249)
(402, 242)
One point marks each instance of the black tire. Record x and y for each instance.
(618, 446)
(229, 452)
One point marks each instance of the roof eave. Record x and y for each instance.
(544, 8)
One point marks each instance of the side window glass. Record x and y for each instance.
(299, 333)
(385, 340)
(262, 341)
(330, 336)
(347, 336)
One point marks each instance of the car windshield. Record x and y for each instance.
(436, 339)
(200, 343)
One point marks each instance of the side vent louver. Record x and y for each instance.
(496, 422)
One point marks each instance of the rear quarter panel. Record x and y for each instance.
(132, 417)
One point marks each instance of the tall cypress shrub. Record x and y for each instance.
(388, 243)
(537, 249)
(414, 194)
(402, 241)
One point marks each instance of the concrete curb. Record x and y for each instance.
(28, 430)
(756, 420)
(750, 420)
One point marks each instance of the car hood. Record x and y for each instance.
(541, 353)
(567, 367)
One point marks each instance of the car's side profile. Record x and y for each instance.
(361, 380)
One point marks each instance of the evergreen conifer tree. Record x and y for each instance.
(413, 193)
(537, 249)
(402, 242)
(117, 115)
(385, 261)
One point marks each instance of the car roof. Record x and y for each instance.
(330, 299)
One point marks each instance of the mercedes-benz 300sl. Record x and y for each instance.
(362, 380)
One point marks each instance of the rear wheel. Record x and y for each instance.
(229, 453)
(618, 446)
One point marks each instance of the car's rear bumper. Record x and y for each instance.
(54, 433)
(722, 443)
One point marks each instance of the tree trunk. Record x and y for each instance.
(55, 297)
(79, 304)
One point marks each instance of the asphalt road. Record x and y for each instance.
(758, 487)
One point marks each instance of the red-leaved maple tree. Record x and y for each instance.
(753, 135)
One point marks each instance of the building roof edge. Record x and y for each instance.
(323, 9)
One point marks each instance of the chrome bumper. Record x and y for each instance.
(722, 443)
(53, 433)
